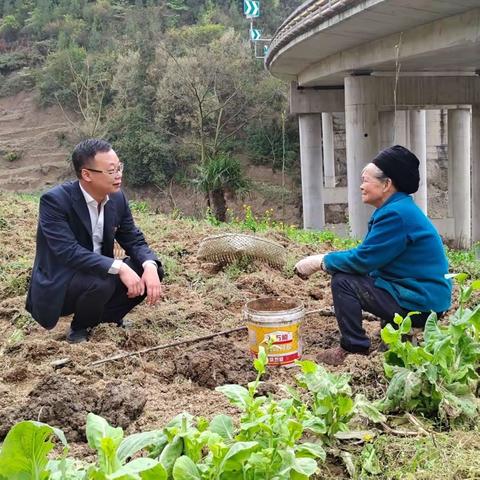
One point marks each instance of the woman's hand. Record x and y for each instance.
(305, 267)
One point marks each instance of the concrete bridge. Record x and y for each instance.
(381, 62)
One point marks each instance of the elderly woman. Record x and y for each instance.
(399, 267)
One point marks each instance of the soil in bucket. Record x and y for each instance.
(274, 323)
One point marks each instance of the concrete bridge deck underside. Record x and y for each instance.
(373, 58)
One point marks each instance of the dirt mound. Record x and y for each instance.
(18, 373)
(40, 350)
(258, 282)
(58, 401)
(319, 333)
(121, 403)
(62, 402)
(365, 375)
(215, 363)
(138, 339)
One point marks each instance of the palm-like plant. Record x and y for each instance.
(218, 175)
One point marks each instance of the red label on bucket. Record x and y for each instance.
(286, 346)
(278, 337)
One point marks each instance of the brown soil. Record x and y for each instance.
(145, 391)
(62, 402)
(214, 363)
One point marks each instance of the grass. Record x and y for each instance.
(467, 261)
(238, 267)
(17, 226)
(265, 223)
(452, 455)
(14, 277)
(172, 269)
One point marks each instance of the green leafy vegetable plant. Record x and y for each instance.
(113, 452)
(331, 406)
(24, 453)
(266, 445)
(439, 377)
(276, 427)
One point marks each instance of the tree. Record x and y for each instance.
(207, 96)
(207, 90)
(221, 174)
(9, 28)
(146, 153)
(73, 79)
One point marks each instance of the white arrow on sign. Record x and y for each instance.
(251, 8)
(255, 34)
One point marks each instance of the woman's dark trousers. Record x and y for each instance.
(353, 294)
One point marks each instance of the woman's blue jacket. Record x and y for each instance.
(404, 253)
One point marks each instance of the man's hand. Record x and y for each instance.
(152, 283)
(305, 267)
(134, 284)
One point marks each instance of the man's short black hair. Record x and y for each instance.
(85, 152)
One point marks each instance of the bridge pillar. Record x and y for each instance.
(418, 145)
(328, 150)
(476, 172)
(310, 128)
(386, 121)
(402, 133)
(362, 142)
(459, 173)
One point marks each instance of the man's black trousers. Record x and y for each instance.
(95, 299)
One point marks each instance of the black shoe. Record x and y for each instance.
(383, 347)
(77, 336)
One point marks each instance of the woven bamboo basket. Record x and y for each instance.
(230, 247)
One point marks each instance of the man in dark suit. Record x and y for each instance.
(74, 269)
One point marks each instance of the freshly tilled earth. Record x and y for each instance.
(144, 391)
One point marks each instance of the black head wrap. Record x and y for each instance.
(401, 166)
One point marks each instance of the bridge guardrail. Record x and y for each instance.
(305, 17)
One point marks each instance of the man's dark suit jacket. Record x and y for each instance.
(64, 246)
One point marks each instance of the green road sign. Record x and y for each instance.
(251, 8)
(255, 34)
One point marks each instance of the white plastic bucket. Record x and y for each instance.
(277, 318)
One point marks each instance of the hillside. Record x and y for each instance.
(35, 149)
(31, 152)
(172, 84)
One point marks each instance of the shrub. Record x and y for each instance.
(16, 60)
(17, 82)
(12, 156)
(148, 157)
(57, 76)
(265, 144)
(9, 28)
